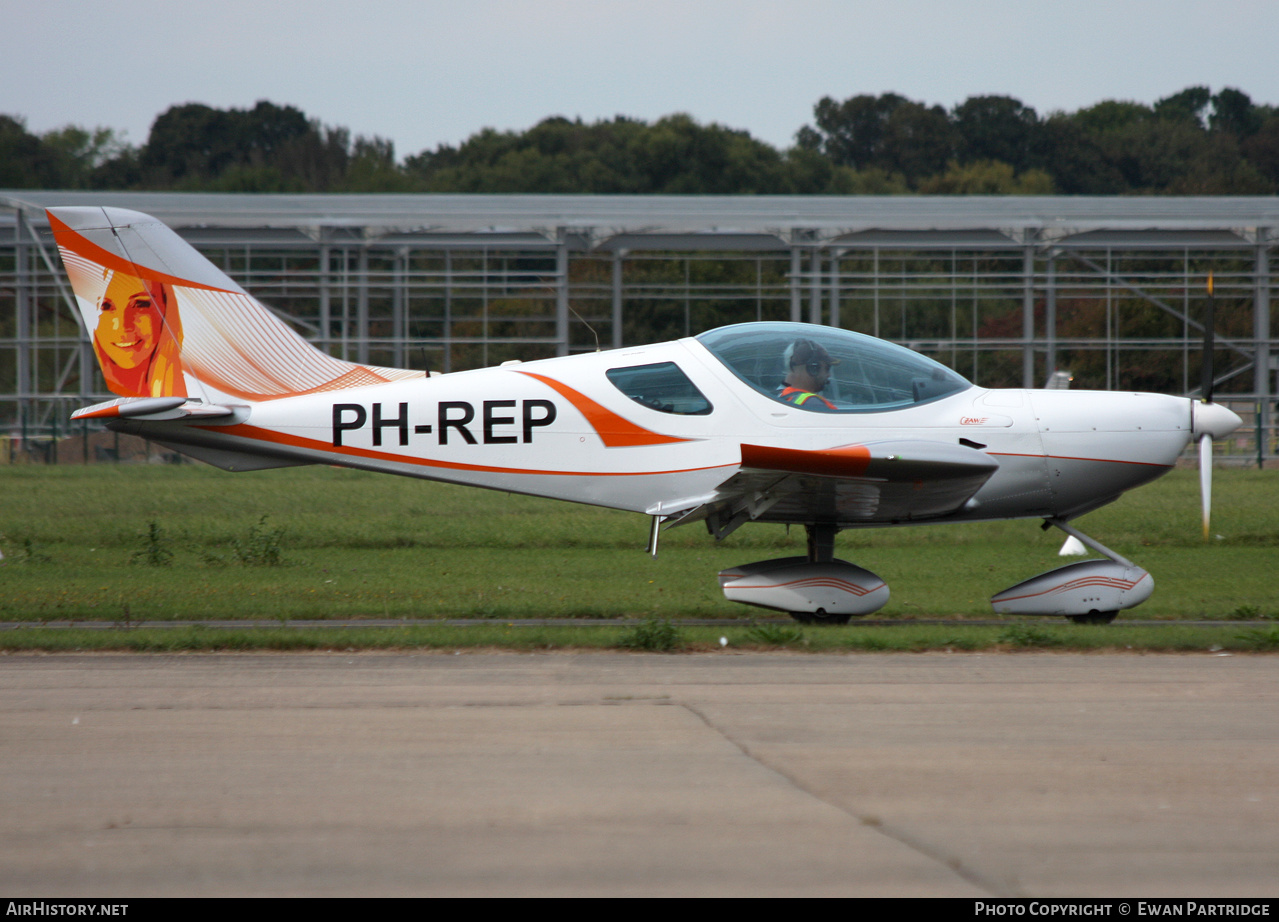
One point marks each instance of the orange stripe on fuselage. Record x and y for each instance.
(1014, 454)
(614, 430)
(258, 434)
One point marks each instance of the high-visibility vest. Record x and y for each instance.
(796, 396)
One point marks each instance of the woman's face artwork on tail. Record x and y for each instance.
(129, 322)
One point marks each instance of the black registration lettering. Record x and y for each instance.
(340, 425)
(448, 421)
(457, 415)
(491, 420)
(532, 421)
(401, 422)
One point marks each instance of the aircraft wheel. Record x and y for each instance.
(1094, 617)
(819, 617)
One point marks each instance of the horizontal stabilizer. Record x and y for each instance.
(152, 408)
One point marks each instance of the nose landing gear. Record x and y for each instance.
(1087, 592)
(1094, 617)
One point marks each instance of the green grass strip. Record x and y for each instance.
(140, 543)
(655, 636)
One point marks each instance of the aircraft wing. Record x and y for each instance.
(876, 483)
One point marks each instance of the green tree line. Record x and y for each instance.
(1194, 142)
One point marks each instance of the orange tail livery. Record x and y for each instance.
(166, 322)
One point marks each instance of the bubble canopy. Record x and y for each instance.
(866, 374)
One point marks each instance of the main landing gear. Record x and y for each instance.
(818, 588)
(815, 589)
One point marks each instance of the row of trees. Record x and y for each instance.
(1194, 142)
(194, 147)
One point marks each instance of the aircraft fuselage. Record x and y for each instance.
(531, 428)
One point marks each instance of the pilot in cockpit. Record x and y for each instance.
(808, 369)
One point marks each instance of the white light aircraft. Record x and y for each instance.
(759, 422)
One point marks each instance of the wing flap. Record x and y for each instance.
(875, 483)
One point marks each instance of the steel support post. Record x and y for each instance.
(688, 296)
(617, 298)
(1261, 337)
(815, 286)
(1186, 288)
(326, 309)
(362, 309)
(561, 292)
(1112, 326)
(1028, 317)
(22, 306)
(875, 288)
(834, 288)
(759, 289)
(88, 365)
(954, 308)
(796, 307)
(484, 306)
(448, 311)
(399, 312)
(1050, 316)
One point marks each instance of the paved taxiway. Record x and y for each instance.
(715, 774)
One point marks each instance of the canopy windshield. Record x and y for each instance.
(863, 374)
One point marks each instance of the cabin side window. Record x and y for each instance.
(662, 387)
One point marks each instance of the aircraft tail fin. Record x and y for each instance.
(166, 322)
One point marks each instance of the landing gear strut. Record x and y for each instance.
(821, 542)
(821, 549)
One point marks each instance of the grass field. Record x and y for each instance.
(658, 636)
(136, 542)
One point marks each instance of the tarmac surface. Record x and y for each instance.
(615, 774)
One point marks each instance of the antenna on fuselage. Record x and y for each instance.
(588, 326)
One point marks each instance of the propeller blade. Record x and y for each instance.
(1205, 479)
(1210, 328)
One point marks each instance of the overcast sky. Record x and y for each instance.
(428, 72)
